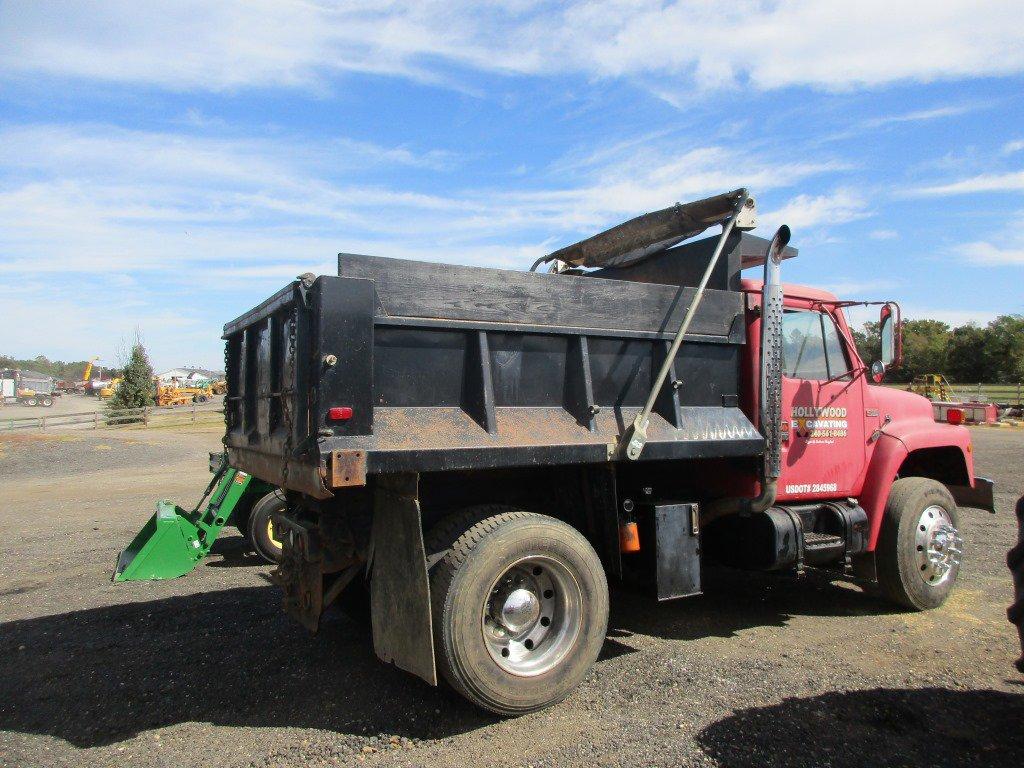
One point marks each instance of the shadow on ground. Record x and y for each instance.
(102, 675)
(891, 727)
(736, 600)
(235, 552)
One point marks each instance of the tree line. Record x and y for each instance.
(993, 354)
(58, 369)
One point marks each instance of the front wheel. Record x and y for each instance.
(520, 607)
(919, 547)
(46, 402)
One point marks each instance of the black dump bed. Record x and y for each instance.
(435, 367)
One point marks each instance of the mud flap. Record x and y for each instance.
(399, 584)
(300, 572)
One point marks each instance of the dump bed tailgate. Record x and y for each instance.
(281, 383)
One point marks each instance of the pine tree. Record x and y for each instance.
(136, 389)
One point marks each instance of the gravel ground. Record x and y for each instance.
(759, 671)
(64, 403)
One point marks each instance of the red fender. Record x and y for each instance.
(911, 428)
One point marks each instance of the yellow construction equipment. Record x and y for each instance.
(110, 388)
(88, 370)
(173, 394)
(198, 394)
(934, 386)
(168, 395)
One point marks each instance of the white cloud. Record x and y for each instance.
(1005, 249)
(1013, 146)
(75, 321)
(884, 234)
(1012, 181)
(85, 147)
(920, 115)
(808, 211)
(226, 45)
(987, 254)
(109, 199)
(147, 217)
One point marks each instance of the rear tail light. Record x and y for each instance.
(339, 413)
(956, 416)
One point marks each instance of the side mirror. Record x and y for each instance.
(891, 334)
(877, 371)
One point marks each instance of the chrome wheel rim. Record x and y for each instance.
(531, 616)
(938, 546)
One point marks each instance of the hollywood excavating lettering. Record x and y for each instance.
(811, 422)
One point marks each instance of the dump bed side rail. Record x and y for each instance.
(431, 367)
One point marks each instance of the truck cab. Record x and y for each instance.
(843, 429)
(846, 440)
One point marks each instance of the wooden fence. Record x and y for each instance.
(151, 416)
(1003, 394)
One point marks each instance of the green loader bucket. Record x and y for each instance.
(174, 540)
(167, 547)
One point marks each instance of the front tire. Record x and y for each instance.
(919, 548)
(520, 607)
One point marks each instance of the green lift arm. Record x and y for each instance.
(174, 540)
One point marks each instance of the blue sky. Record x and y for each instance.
(166, 166)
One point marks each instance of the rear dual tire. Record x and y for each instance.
(520, 607)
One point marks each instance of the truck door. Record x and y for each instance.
(823, 401)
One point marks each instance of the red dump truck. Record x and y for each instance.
(480, 451)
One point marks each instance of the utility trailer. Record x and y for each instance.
(480, 450)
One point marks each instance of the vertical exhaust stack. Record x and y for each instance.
(769, 389)
(770, 399)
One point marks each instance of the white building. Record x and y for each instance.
(189, 375)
